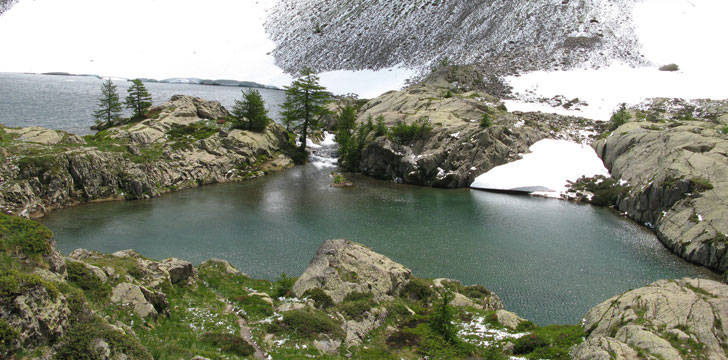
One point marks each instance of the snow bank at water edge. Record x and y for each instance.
(545, 170)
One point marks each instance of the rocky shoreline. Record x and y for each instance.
(186, 142)
(350, 302)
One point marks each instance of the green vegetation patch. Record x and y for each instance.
(417, 290)
(228, 343)
(549, 342)
(320, 299)
(700, 184)
(79, 340)
(356, 304)
(405, 134)
(83, 277)
(606, 190)
(307, 324)
(9, 338)
(27, 237)
(196, 131)
(14, 283)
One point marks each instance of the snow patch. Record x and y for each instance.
(544, 171)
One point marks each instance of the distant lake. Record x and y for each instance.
(68, 102)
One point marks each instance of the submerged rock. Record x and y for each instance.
(668, 319)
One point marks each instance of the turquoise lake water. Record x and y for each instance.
(549, 260)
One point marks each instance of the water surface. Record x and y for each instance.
(549, 260)
(68, 102)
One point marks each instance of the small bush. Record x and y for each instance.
(606, 190)
(669, 67)
(358, 296)
(405, 134)
(441, 320)
(310, 324)
(417, 289)
(320, 299)
(283, 285)
(724, 130)
(18, 235)
(380, 129)
(14, 283)
(485, 121)
(255, 307)
(529, 343)
(9, 338)
(619, 118)
(229, 343)
(84, 278)
(700, 184)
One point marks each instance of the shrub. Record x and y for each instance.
(441, 321)
(404, 133)
(606, 191)
(669, 67)
(485, 121)
(77, 341)
(356, 304)
(700, 184)
(310, 324)
(417, 289)
(527, 344)
(18, 235)
(320, 299)
(254, 306)
(9, 338)
(228, 343)
(283, 285)
(85, 279)
(14, 283)
(380, 129)
(724, 130)
(619, 118)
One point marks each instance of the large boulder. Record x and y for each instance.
(145, 303)
(668, 319)
(341, 267)
(678, 174)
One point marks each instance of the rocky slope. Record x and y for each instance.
(458, 148)
(503, 36)
(185, 143)
(670, 319)
(677, 171)
(349, 303)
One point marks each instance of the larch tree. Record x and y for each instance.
(250, 112)
(109, 107)
(139, 100)
(305, 103)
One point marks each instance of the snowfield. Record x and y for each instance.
(545, 170)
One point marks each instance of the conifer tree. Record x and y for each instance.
(138, 100)
(305, 103)
(250, 112)
(109, 107)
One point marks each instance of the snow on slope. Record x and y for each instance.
(505, 36)
(545, 170)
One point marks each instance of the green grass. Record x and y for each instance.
(14, 283)
(418, 290)
(308, 324)
(20, 236)
(320, 299)
(95, 289)
(549, 342)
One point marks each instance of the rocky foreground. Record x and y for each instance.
(185, 142)
(349, 303)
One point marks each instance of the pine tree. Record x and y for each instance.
(252, 109)
(109, 108)
(345, 127)
(138, 100)
(305, 103)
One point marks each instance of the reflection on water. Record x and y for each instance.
(549, 260)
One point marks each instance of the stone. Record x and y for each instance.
(509, 319)
(340, 267)
(291, 307)
(180, 271)
(224, 264)
(145, 302)
(356, 331)
(645, 318)
(40, 317)
(328, 346)
(661, 164)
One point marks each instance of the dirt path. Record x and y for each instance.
(245, 331)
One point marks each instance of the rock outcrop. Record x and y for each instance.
(678, 178)
(669, 319)
(458, 148)
(182, 145)
(341, 267)
(144, 302)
